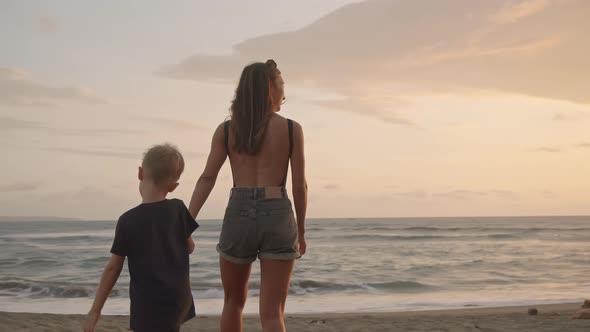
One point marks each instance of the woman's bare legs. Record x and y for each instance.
(234, 278)
(275, 277)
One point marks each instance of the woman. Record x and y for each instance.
(259, 220)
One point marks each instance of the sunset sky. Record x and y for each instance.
(409, 108)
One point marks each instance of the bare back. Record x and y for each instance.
(269, 166)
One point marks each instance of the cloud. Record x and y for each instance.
(130, 153)
(418, 194)
(20, 186)
(459, 194)
(504, 194)
(365, 106)
(211, 68)
(18, 88)
(80, 203)
(423, 58)
(561, 117)
(548, 194)
(176, 124)
(531, 47)
(47, 24)
(193, 154)
(8, 123)
(515, 11)
(99, 153)
(97, 132)
(551, 149)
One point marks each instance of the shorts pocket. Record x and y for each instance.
(233, 212)
(279, 212)
(276, 207)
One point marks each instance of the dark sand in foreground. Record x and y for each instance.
(550, 318)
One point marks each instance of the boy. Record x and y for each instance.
(156, 236)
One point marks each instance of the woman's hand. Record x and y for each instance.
(302, 245)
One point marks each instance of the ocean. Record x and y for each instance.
(352, 265)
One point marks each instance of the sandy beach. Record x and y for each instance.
(550, 318)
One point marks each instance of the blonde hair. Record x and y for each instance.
(163, 164)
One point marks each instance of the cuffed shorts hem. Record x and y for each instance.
(235, 260)
(281, 257)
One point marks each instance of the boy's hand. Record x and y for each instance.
(191, 245)
(91, 320)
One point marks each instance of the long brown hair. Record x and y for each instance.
(252, 105)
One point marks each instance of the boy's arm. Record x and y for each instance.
(107, 281)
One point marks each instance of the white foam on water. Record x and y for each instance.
(299, 304)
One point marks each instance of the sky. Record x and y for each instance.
(409, 108)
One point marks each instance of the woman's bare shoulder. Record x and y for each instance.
(281, 118)
(219, 133)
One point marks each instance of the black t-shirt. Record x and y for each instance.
(154, 238)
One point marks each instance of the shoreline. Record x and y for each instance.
(551, 317)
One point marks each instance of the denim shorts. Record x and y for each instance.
(258, 224)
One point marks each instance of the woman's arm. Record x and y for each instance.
(206, 181)
(299, 183)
